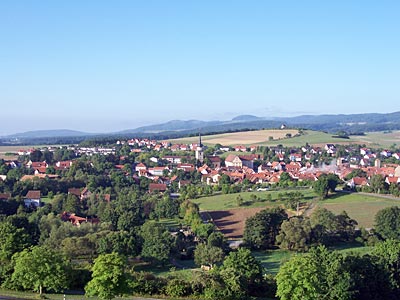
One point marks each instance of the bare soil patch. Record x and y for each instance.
(231, 222)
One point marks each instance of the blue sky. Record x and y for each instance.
(102, 66)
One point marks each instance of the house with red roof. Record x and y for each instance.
(237, 161)
(140, 167)
(215, 161)
(185, 167)
(63, 165)
(157, 187)
(240, 148)
(73, 218)
(358, 181)
(392, 179)
(32, 198)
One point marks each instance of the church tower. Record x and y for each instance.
(199, 151)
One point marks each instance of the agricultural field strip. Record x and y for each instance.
(317, 138)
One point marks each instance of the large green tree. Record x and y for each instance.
(261, 229)
(321, 186)
(157, 242)
(387, 222)
(12, 240)
(387, 254)
(242, 273)
(317, 275)
(328, 227)
(208, 255)
(295, 234)
(377, 183)
(40, 268)
(108, 277)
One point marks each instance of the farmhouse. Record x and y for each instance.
(233, 160)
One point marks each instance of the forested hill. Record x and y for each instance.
(351, 124)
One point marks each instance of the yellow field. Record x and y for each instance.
(315, 138)
(9, 149)
(15, 149)
(239, 138)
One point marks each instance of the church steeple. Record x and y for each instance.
(200, 144)
(199, 151)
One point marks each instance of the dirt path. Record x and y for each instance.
(310, 209)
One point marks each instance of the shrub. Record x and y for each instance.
(177, 288)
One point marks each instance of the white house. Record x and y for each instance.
(32, 198)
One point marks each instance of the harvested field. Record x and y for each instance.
(240, 138)
(315, 138)
(231, 222)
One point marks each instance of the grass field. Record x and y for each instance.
(383, 139)
(360, 207)
(30, 295)
(315, 138)
(228, 201)
(271, 260)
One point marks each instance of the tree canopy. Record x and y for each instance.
(40, 268)
(387, 222)
(108, 277)
(261, 229)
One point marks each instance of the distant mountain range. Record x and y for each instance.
(48, 133)
(352, 123)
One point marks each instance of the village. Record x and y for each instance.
(253, 164)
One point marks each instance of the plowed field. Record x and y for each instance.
(231, 222)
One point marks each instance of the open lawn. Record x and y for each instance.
(230, 217)
(171, 224)
(229, 201)
(184, 269)
(271, 260)
(359, 206)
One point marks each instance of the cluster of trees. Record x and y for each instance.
(323, 274)
(272, 228)
(239, 276)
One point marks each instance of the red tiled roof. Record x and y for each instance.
(161, 187)
(33, 195)
(74, 191)
(360, 180)
(392, 179)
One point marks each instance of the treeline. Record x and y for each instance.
(324, 274)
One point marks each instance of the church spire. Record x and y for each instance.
(200, 144)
